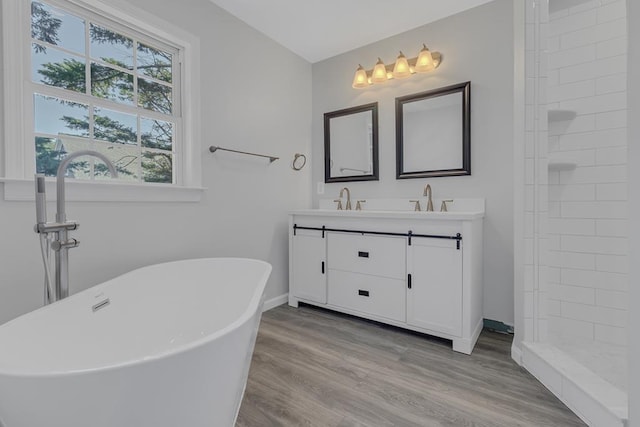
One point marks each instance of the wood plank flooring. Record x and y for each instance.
(313, 367)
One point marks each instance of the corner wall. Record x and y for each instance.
(476, 47)
(243, 212)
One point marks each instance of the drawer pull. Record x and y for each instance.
(409, 281)
(363, 293)
(322, 267)
(363, 254)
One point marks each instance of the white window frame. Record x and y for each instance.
(18, 120)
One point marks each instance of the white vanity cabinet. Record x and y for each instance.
(420, 271)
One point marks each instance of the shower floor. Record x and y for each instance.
(605, 360)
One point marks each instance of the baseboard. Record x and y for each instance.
(516, 354)
(593, 399)
(274, 302)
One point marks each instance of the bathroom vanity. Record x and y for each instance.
(416, 270)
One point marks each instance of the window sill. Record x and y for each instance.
(102, 191)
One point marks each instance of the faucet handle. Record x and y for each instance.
(443, 206)
(339, 201)
(358, 204)
(417, 206)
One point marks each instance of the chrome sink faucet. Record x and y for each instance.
(348, 205)
(61, 227)
(427, 193)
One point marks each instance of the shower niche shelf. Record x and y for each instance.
(561, 165)
(556, 115)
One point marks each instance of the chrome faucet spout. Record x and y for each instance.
(348, 205)
(427, 193)
(61, 214)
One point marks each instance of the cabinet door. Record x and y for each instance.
(434, 299)
(309, 279)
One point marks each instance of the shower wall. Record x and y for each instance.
(587, 229)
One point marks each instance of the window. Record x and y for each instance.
(92, 78)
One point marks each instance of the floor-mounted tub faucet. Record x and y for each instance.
(58, 287)
(427, 193)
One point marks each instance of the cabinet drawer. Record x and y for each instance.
(375, 255)
(368, 294)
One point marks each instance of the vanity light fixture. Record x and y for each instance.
(425, 62)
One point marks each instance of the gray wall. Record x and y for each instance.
(243, 212)
(633, 15)
(477, 45)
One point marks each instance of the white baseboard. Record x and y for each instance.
(274, 302)
(516, 354)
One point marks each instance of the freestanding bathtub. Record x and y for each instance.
(164, 346)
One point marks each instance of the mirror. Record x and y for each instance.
(433, 133)
(351, 144)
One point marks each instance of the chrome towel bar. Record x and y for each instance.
(272, 159)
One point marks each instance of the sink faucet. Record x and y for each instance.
(427, 193)
(348, 205)
(61, 226)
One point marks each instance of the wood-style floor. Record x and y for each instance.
(313, 367)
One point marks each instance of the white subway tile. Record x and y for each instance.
(611, 316)
(584, 123)
(612, 263)
(556, 14)
(528, 278)
(597, 104)
(613, 192)
(554, 209)
(582, 6)
(553, 307)
(570, 91)
(528, 251)
(613, 11)
(575, 328)
(573, 294)
(529, 171)
(595, 174)
(572, 226)
(568, 192)
(595, 209)
(528, 225)
(611, 335)
(612, 47)
(553, 77)
(594, 245)
(585, 157)
(599, 68)
(584, 312)
(529, 198)
(553, 275)
(574, 56)
(582, 37)
(578, 261)
(612, 227)
(528, 305)
(594, 279)
(553, 43)
(611, 29)
(529, 36)
(611, 120)
(597, 139)
(573, 22)
(611, 156)
(554, 177)
(612, 299)
(553, 242)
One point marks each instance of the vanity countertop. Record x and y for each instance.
(438, 216)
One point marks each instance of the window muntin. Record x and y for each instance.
(101, 87)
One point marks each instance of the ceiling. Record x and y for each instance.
(320, 29)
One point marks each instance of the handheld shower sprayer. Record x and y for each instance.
(41, 201)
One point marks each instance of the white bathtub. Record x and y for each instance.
(172, 348)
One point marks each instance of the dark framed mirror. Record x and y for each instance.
(351, 144)
(433, 133)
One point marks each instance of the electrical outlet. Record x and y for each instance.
(320, 187)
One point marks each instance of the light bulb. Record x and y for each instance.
(360, 79)
(379, 72)
(401, 69)
(424, 63)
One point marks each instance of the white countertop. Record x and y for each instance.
(440, 216)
